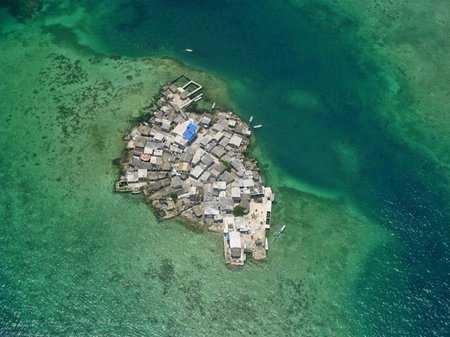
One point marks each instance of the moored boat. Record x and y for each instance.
(279, 232)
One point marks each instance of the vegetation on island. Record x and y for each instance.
(238, 211)
(227, 165)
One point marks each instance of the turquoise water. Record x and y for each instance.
(366, 251)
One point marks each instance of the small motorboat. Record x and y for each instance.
(136, 191)
(189, 50)
(257, 126)
(279, 232)
(213, 105)
(250, 120)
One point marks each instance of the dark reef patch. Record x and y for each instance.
(22, 9)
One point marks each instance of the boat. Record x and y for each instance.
(213, 105)
(136, 191)
(257, 126)
(279, 232)
(189, 50)
(250, 120)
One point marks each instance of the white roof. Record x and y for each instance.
(269, 206)
(180, 140)
(217, 127)
(241, 223)
(246, 183)
(211, 208)
(198, 155)
(159, 137)
(235, 140)
(231, 122)
(148, 150)
(205, 140)
(205, 176)
(132, 177)
(235, 192)
(218, 136)
(219, 185)
(142, 173)
(235, 239)
(197, 171)
(180, 128)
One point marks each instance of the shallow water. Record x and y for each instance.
(366, 249)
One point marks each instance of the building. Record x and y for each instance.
(207, 192)
(165, 125)
(226, 204)
(207, 160)
(219, 185)
(144, 130)
(211, 208)
(142, 174)
(235, 244)
(132, 177)
(191, 132)
(205, 141)
(176, 182)
(236, 194)
(139, 142)
(205, 120)
(197, 156)
(183, 168)
(197, 172)
(235, 141)
(242, 224)
(218, 152)
(205, 176)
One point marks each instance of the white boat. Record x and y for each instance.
(257, 126)
(189, 50)
(213, 105)
(280, 231)
(250, 120)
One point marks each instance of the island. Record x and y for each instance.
(194, 165)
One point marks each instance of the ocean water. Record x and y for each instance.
(366, 249)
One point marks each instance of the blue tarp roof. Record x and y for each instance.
(192, 128)
(190, 131)
(188, 135)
